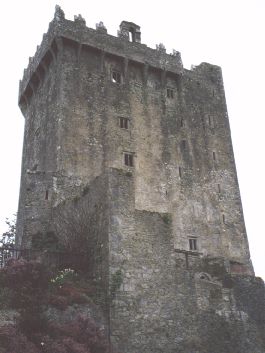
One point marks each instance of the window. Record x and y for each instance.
(47, 195)
(180, 172)
(183, 145)
(37, 131)
(223, 218)
(128, 159)
(131, 39)
(193, 244)
(181, 122)
(170, 93)
(124, 123)
(205, 276)
(211, 121)
(219, 188)
(214, 156)
(116, 76)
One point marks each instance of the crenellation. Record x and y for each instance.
(101, 40)
(80, 20)
(101, 28)
(161, 48)
(59, 13)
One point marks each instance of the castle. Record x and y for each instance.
(143, 145)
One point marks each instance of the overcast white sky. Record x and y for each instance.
(229, 33)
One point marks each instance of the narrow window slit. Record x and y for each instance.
(47, 195)
(211, 121)
(181, 122)
(180, 172)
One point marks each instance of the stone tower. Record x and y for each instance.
(144, 146)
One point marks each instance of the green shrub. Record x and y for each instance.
(28, 285)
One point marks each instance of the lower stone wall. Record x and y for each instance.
(81, 224)
(166, 301)
(155, 298)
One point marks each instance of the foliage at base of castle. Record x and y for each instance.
(7, 239)
(32, 290)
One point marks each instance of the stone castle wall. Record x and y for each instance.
(171, 300)
(181, 145)
(160, 295)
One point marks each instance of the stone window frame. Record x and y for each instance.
(214, 156)
(193, 244)
(116, 76)
(182, 122)
(170, 92)
(203, 276)
(124, 122)
(183, 145)
(211, 121)
(180, 170)
(128, 159)
(37, 132)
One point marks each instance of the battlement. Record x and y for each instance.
(127, 46)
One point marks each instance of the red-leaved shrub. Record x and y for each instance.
(83, 331)
(79, 336)
(13, 341)
(29, 285)
(28, 281)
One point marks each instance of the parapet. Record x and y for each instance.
(126, 45)
(206, 72)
